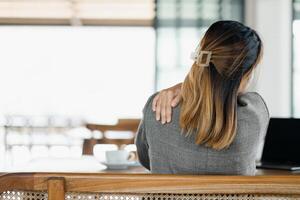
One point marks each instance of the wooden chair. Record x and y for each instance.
(122, 125)
(60, 186)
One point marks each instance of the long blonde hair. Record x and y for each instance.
(210, 94)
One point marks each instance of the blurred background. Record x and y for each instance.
(75, 73)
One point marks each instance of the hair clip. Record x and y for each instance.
(198, 55)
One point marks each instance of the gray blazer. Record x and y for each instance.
(163, 149)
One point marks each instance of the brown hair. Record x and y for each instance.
(210, 94)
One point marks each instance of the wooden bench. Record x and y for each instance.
(104, 186)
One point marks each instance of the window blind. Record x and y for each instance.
(98, 12)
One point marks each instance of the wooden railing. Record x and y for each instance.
(59, 186)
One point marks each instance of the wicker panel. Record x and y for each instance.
(29, 195)
(90, 196)
(23, 195)
(100, 196)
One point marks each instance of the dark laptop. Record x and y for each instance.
(282, 145)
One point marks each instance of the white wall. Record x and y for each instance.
(273, 21)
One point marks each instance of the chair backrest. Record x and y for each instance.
(59, 186)
(122, 125)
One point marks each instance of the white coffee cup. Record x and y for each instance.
(117, 157)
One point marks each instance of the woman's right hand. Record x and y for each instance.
(164, 101)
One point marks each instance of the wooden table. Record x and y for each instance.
(89, 164)
(259, 172)
(142, 170)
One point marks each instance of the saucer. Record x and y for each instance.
(117, 166)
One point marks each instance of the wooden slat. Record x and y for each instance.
(89, 12)
(65, 21)
(154, 183)
(122, 125)
(56, 189)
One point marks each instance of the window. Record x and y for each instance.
(296, 59)
(54, 74)
(99, 73)
(94, 73)
(180, 25)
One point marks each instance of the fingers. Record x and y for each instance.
(162, 104)
(163, 112)
(170, 96)
(154, 102)
(176, 101)
(158, 109)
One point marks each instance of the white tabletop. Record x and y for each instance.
(80, 164)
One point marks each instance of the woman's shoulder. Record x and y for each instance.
(252, 104)
(148, 105)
